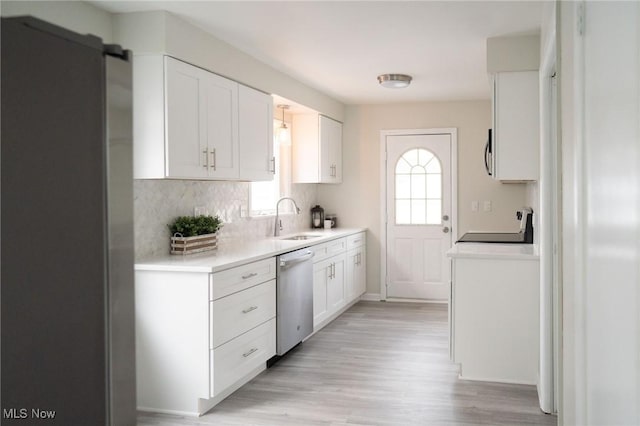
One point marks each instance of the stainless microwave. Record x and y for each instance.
(488, 155)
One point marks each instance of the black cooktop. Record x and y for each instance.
(494, 237)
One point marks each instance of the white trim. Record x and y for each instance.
(493, 380)
(371, 297)
(549, 232)
(453, 132)
(172, 412)
(399, 300)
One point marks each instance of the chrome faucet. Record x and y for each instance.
(278, 224)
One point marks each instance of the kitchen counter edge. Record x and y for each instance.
(237, 254)
(494, 251)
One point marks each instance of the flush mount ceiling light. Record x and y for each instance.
(283, 131)
(394, 81)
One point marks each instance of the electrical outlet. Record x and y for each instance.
(475, 206)
(487, 206)
(200, 211)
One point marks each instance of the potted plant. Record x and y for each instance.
(194, 234)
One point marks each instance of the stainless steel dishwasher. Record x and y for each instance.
(294, 301)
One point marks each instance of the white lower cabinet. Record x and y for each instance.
(328, 287)
(241, 356)
(338, 277)
(356, 278)
(200, 336)
(495, 319)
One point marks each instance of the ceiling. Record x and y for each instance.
(340, 47)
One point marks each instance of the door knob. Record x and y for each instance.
(445, 217)
(445, 229)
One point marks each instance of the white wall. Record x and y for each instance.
(163, 32)
(600, 89)
(81, 17)
(357, 200)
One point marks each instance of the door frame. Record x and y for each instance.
(451, 131)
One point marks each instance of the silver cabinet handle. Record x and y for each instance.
(213, 159)
(251, 275)
(273, 163)
(246, 354)
(249, 309)
(205, 163)
(445, 229)
(445, 217)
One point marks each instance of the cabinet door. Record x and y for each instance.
(256, 135)
(351, 274)
(219, 100)
(335, 150)
(330, 167)
(361, 273)
(186, 157)
(516, 126)
(336, 284)
(321, 272)
(355, 281)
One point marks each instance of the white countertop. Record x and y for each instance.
(494, 251)
(236, 254)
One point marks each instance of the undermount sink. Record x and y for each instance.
(302, 237)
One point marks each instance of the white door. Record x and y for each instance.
(418, 216)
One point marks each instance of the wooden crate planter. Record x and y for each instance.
(197, 244)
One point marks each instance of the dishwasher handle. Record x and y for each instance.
(291, 262)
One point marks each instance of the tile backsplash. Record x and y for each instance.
(158, 202)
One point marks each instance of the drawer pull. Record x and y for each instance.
(249, 309)
(251, 275)
(246, 354)
(356, 241)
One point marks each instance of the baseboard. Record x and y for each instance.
(393, 299)
(494, 380)
(172, 412)
(371, 297)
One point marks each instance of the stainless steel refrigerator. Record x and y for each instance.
(67, 295)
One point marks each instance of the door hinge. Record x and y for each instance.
(580, 18)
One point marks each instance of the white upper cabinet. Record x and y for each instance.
(201, 123)
(192, 124)
(317, 149)
(256, 135)
(516, 128)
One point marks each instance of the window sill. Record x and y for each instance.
(269, 215)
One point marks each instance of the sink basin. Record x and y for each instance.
(302, 237)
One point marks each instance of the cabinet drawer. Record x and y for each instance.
(242, 311)
(233, 360)
(328, 249)
(357, 240)
(236, 279)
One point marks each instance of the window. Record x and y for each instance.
(418, 192)
(263, 196)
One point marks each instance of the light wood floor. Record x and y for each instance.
(377, 364)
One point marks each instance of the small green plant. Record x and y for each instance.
(190, 226)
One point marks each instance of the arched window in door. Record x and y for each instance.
(418, 192)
